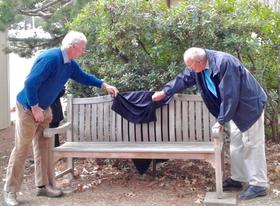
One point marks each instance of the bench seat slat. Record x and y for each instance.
(117, 147)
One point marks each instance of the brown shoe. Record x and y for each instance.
(48, 191)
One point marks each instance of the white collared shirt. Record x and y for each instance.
(64, 55)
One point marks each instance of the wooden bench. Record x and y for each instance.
(182, 131)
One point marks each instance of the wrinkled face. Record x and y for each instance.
(196, 66)
(78, 49)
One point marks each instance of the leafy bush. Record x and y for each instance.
(138, 45)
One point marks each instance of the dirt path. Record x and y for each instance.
(117, 183)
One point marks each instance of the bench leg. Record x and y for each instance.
(219, 179)
(218, 168)
(154, 162)
(70, 166)
(51, 170)
(223, 163)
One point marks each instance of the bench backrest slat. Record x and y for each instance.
(158, 131)
(76, 123)
(178, 123)
(185, 122)
(138, 133)
(69, 118)
(186, 118)
(119, 128)
(113, 125)
(145, 132)
(206, 122)
(125, 131)
(171, 122)
(81, 121)
(93, 122)
(198, 119)
(131, 132)
(87, 119)
(191, 121)
(165, 134)
(151, 127)
(107, 117)
(99, 116)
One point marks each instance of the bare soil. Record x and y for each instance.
(117, 182)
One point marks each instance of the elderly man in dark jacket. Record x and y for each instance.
(235, 98)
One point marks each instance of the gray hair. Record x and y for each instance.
(73, 37)
(194, 54)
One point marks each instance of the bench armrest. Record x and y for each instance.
(50, 132)
(217, 137)
(217, 133)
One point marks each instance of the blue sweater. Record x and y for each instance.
(48, 76)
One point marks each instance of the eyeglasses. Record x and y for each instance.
(77, 46)
(191, 66)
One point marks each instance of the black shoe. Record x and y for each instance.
(230, 184)
(252, 192)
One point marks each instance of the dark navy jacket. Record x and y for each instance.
(240, 96)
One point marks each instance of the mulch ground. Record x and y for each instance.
(117, 182)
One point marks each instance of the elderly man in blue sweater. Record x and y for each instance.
(234, 97)
(48, 75)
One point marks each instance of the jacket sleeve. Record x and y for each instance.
(79, 75)
(183, 80)
(229, 88)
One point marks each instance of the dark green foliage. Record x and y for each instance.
(138, 45)
(7, 13)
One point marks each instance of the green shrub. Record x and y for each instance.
(138, 45)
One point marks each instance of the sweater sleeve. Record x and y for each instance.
(79, 75)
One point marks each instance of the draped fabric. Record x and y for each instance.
(137, 106)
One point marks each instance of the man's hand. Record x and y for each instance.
(217, 126)
(37, 113)
(110, 89)
(217, 131)
(157, 96)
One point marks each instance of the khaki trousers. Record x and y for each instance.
(247, 152)
(28, 132)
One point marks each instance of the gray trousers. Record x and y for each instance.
(247, 152)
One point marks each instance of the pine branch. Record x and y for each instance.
(43, 9)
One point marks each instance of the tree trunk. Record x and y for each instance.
(274, 130)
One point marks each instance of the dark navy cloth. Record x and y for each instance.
(137, 106)
(57, 115)
(142, 165)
